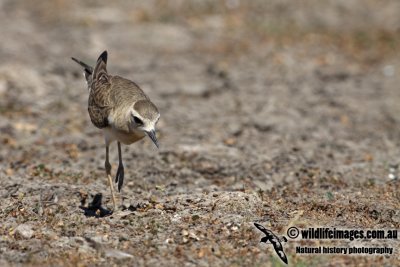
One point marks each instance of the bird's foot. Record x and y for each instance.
(119, 178)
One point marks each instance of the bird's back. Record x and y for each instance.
(124, 92)
(111, 96)
(123, 95)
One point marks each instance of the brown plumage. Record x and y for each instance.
(120, 108)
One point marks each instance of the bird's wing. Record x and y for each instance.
(99, 107)
(279, 250)
(276, 243)
(261, 228)
(100, 70)
(282, 255)
(100, 103)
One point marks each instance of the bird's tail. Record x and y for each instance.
(88, 69)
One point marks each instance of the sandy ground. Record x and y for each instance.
(274, 112)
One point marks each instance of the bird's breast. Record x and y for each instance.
(124, 137)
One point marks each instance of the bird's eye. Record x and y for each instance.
(137, 120)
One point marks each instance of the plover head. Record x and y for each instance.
(145, 116)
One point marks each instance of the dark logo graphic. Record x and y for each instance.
(275, 241)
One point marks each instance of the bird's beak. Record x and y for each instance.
(152, 135)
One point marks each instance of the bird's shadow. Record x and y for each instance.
(95, 208)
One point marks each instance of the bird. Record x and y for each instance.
(275, 241)
(120, 108)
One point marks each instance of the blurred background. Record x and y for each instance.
(296, 101)
(210, 66)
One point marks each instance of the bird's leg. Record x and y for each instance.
(120, 172)
(108, 171)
